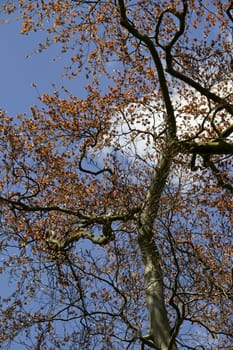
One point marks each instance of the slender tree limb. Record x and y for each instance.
(99, 219)
(227, 132)
(217, 174)
(158, 64)
(189, 81)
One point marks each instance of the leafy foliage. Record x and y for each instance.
(116, 207)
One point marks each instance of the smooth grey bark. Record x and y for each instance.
(160, 330)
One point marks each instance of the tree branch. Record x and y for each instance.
(99, 219)
(213, 147)
(217, 174)
(158, 64)
(204, 91)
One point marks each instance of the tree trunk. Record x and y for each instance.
(160, 329)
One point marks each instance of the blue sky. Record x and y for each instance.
(17, 72)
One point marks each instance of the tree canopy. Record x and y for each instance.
(116, 204)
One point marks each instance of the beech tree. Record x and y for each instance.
(116, 205)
